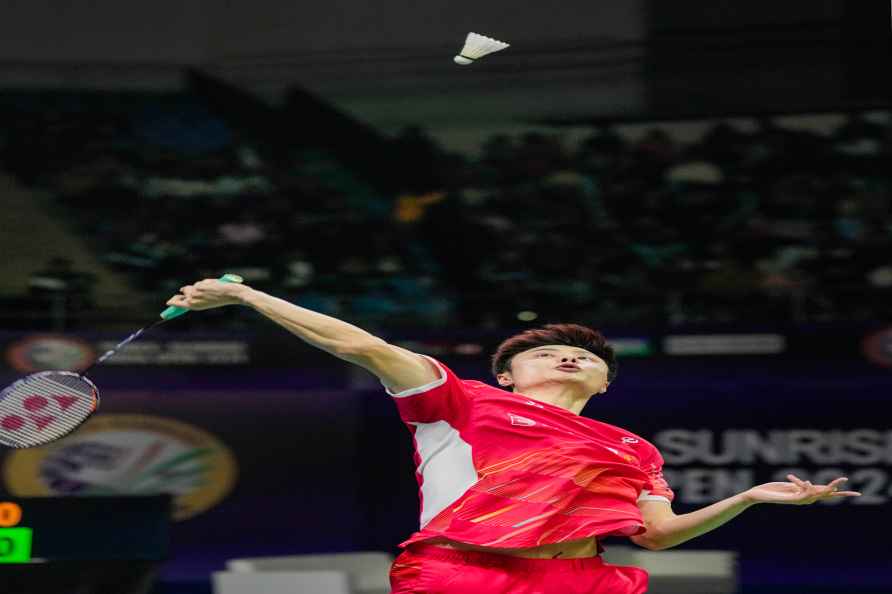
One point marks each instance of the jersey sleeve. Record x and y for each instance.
(656, 489)
(444, 399)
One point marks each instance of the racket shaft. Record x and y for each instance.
(123, 343)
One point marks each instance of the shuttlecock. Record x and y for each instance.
(477, 46)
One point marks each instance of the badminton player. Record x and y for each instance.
(517, 489)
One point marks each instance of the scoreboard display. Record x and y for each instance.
(46, 529)
(15, 540)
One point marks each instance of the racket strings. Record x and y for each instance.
(43, 407)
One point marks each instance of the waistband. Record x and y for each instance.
(505, 561)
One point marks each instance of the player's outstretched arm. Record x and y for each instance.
(665, 529)
(397, 368)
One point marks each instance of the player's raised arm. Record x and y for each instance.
(397, 368)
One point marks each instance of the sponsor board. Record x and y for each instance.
(128, 454)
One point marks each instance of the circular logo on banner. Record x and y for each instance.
(878, 347)
(128, 455)
(48, 351)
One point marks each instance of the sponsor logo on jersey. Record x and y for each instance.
(521, 421)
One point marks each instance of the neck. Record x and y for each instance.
(559, 394)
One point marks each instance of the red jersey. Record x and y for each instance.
(499, 469)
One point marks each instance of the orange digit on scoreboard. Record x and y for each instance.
(10, 514)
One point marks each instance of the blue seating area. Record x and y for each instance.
(753, 222)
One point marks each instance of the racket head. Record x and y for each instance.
(45, 406)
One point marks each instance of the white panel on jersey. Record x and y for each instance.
(447, 467)
(646, 496)
(421, 389)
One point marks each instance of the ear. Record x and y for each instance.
(505, 379)
(604, 389)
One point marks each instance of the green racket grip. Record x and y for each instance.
(174, 311)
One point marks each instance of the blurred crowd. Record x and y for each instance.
(745, 224)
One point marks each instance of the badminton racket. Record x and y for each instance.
(48, 405)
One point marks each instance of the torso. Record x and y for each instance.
(573, 549)
(507, 472)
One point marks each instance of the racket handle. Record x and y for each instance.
(174, 311)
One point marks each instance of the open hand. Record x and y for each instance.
(798, 492)
(208, 294)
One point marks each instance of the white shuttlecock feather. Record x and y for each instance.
(477, 46)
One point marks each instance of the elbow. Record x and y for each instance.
(650, 540)
(652, 545)
(646, 544)
(657, 546)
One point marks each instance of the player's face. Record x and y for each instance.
(550, 363)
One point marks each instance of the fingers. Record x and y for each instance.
(808, 492)
(185, 299)
(178, 301)
(835, 482)
(202, 284)
(799, 482)
(196, 289)
(208, 283)
(829, 490)
(834, 485)
(194, 296)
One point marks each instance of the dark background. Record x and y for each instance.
(647, 168)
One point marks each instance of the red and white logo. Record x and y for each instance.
(521, 421)
(36, 408)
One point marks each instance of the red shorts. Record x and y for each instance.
(429, 569)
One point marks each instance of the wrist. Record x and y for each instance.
(748, 498)
(244, 295)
